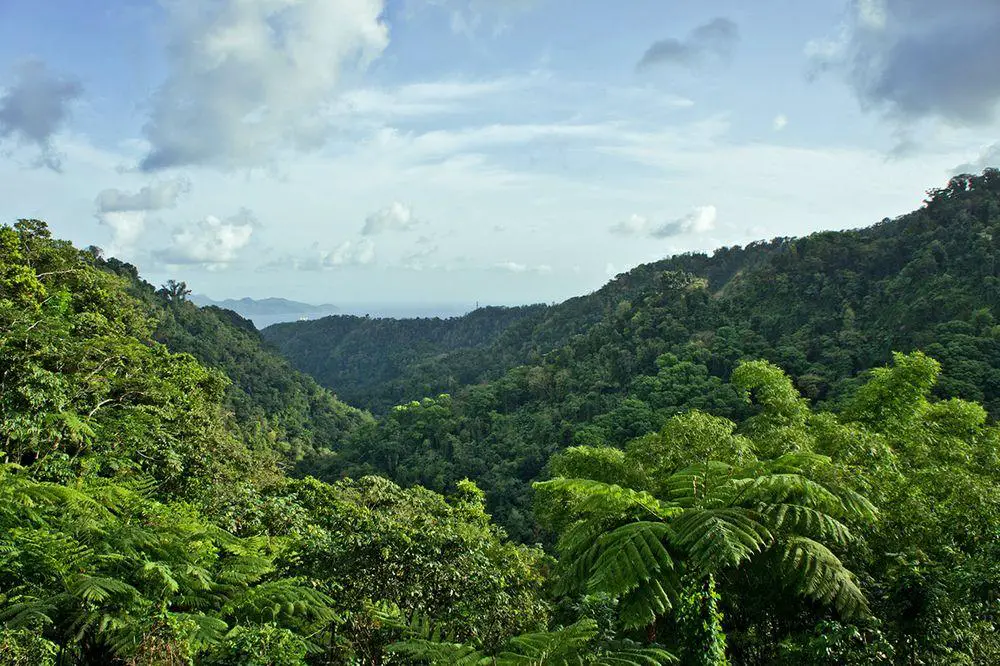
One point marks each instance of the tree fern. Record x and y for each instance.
(707, 518)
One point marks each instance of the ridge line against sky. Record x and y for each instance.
(501, 151)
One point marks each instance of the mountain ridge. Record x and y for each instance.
(248, 307)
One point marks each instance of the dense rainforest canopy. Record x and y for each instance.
(712, 460)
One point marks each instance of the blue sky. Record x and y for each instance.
(504, 151)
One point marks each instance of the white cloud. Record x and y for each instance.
(125, 213)
(211, 243)
(515, 267)
(357, 253)
(394, 217)
(511, 267)
(700, 220)
(780, 122)
(429, 98)
(873, 14)
(126, 229)
(989, 157)
(248, 79)
(347, 253)
(634, 225)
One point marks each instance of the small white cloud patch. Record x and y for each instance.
(780, 122)
(395, 217)
(125, 213)
(515, 267)
(634, 225)
(126, 229)
(348, 253)
(163, 194)
(700, 220)
(211, 243)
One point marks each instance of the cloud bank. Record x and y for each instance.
(915, 59)
(163, 194)
(249, 79)
(125, 213)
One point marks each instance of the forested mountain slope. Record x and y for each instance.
(378, 362)
(823, 307)
(665, 337)
(270, 399)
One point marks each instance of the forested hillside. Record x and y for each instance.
(381, 362)
(271, 400)
(142, 523)
(824, 307)
(666, 337)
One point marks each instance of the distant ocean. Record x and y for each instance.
(393, 310)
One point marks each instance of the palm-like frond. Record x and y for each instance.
(717, 538)
(562, 646)
(645, 603)
(812, 570)
(806, 521)
(439, 653)
(573, 644)
(628, 653)
(285, 598)
(712, 516)
(98, 589)
(625, 558)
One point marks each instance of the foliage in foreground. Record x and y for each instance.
(773, 514)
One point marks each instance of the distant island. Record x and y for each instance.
(267, 311)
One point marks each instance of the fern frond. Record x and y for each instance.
(97, 589)
(545, 647)
(595, 498)
(628, 556)
(718, 538)
(439, 654)
(267, 602)
(812, 570)
(161, 574)
(806, 521)
(653, 598)
(691, 485)
(785, 488)
(628, 653)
